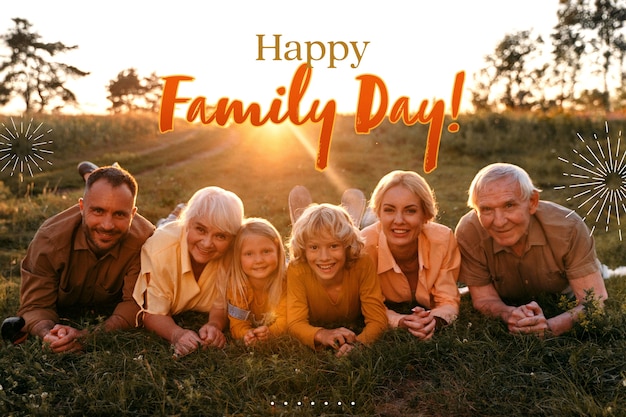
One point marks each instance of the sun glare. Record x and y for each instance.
(334, 177)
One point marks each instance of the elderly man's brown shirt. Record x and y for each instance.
(559, 248)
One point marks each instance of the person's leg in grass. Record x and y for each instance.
(299, 199)
(85, 168)
(368, 218)
(353, 200)
(172, 216)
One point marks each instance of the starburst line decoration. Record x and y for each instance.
(599, 184)
(24, 147)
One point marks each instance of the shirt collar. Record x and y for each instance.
(185, 257)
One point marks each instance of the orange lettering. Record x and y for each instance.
(365, 120)
(168, 100)
(224, 110)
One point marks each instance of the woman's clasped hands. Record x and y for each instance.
(420, 324)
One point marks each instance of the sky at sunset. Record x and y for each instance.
(415, 47)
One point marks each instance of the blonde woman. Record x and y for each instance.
(417, 260)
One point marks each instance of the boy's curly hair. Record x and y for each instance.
(325, 220)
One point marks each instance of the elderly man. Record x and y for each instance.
(88, 257)
(515, 247)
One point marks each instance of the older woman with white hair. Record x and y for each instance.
(184, 267)
(417, 260)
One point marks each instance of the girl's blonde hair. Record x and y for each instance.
(325, 219)
(239, 280)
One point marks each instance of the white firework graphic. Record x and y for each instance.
(23, 147)
(599, 182)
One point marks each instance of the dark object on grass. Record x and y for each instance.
(12, 330)
(86, 167)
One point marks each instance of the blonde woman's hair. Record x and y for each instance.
(414, 183)
(325, 219)
(255, 226)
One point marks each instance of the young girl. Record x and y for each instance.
(184, 267)
(331, 287)
(257, 290)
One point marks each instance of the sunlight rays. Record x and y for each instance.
(600, 182)
(19, 148)
(333, 176)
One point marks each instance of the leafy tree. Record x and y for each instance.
(591, 99)
(589, 35)
(569, 47)
(620, 99)
(608, 20)
(128, 92)
(29, 75)
(481, 90)
(512, 77)
(591, 29)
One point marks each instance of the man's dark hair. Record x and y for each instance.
(114, 176)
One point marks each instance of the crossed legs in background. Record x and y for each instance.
(353, 200)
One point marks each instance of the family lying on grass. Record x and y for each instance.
(351, 272)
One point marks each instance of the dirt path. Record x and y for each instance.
(229, 141)
(166, 142)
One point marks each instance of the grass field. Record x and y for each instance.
(471, 368)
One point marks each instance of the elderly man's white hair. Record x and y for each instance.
(499, 171)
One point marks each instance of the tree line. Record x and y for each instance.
(587, 47)
(580, 68)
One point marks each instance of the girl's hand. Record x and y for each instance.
(344, 350)
(260, 333)
(249, 338)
